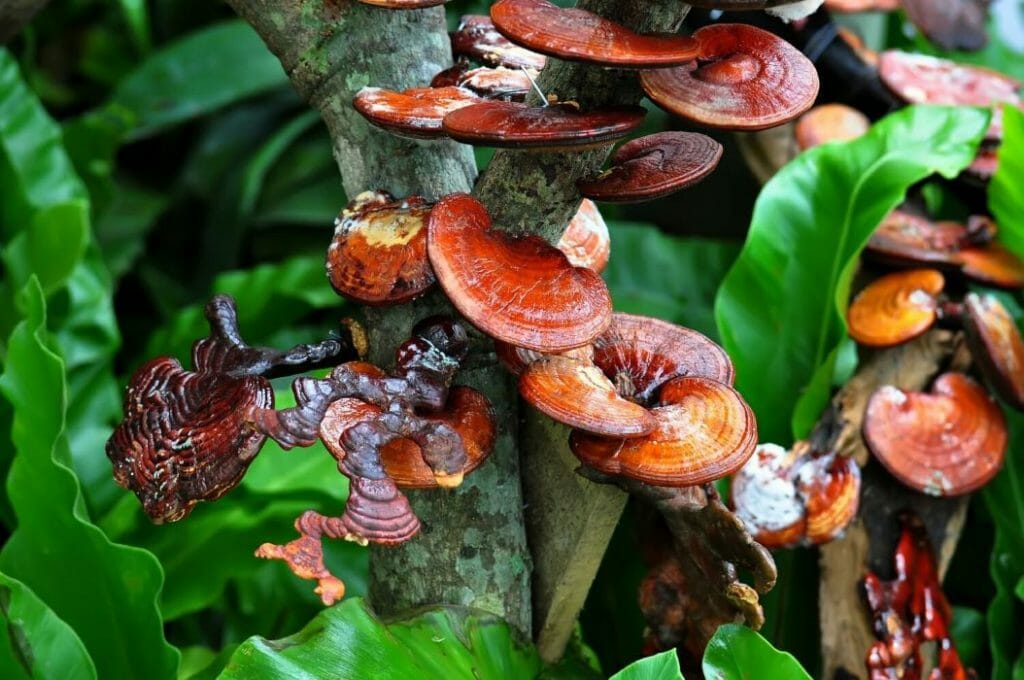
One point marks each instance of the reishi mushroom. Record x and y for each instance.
(576, 34)
(994, 265)
(948, 442)
(797, 497)
(519, 290)
(907, 238)
(830, 123)
(745, 78)
(378, 255)
(586, 241)
(996, 346)
(654, 166)
(895, 308)
(477, 38)
(416, 112)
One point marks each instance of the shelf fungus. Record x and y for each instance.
(948, 442)
(185, 437)
(895, 308)
(476, 38)
(378, 255)
(744, 78)
(586, 241)
(830, 123)
(909, 611)
(522, 290)
(996, 346)
(654, 166)
(416, 112)
(578, 35)
(190, 436)
(794, 497)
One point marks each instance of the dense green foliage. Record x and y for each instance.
(153, 153)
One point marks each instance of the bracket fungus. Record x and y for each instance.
(744, 78)
(416, 112)
(493, 83)
(519, 290)
(549, 127)
(996, 346)
(477, 38)
(578, 35)
(185, 436)
(906, 238)
(586, 241)
(796, 497)
(378, 255)
(830, 123)
(654, 166)
(948, 442)
(895, 308)
(993, 265)
(911, 610)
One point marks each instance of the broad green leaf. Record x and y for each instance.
(1006, 191)
(197, 74)
(35, 173)
(106, 592)
(969, 635)
(349, 641)
(46, 646)
(738, 653)
(667, 277)
(50, 247)
(780, 310)
(663, 666)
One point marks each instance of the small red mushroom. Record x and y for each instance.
(579, 35)
(586, 241)
(830, 123)
(996, 346)
(948, 442)
(744, 78)
(519, 290)
(477, 38)
(993, 265)
(905, 238)
(415, 113)
(654, 166)
(895, 308)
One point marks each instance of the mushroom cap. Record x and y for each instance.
(904, 237)
(654, 166)
(477, 38)
(993, 265)
(468, 412)
(830, 123)
(704, 432)
(184, 437)
(586, 241)
(944, 443)
(765, 498)
(416, 112)
(640, 354)
(745, 78)
(403, 4)
(520, 290)
(895, 308)
(379, 252)
(500, 83)
(512, 124)
(951, 24)
(580, 395)
(516, 359)
(788, 498)
(921, 79)
(996, 346)
(578, 35)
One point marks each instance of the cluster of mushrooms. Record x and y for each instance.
(651, 405)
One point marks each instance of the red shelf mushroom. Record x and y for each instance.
(477, 38)
(948, 442)
(511, 124)
(996, 346)
(519, 290)
(744, 78)
(895, 308)
(379, 252)
(830, 123)
(576, 34)
(654, 166)
(906, 238)
(586, 241)
(993, 265)
(415, 113)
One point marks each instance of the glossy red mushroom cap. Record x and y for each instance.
(586, 241)
(578, 35)
(904, 237)
(415, 113)
(476, 38)
(379, 252)
(704, 432)
(511, 124)
(830, 123)
(654, 166)
(519, 290)
(744, 78)
(948, 442)
(996, 346)
(895, 308)
(993, 265)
